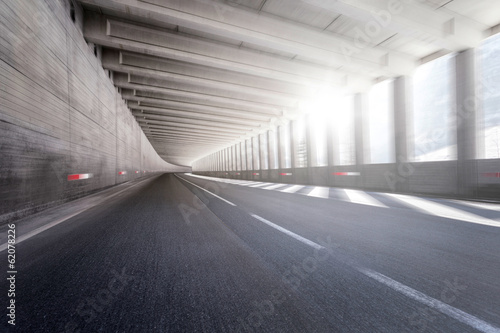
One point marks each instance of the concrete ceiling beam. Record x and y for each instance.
(126, 36)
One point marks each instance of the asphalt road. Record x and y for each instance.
(167, 256)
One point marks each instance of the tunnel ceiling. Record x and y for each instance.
(202, 75)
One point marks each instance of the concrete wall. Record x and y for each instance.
(60, 113)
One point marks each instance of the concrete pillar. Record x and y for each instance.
(223, 160)
(254, 148)
(309, 164)
(268, 151)
(235, 157)
(401, 106)
(466, 109)
(259, 154)
(360, 101)
(219, 165)
(308, 143)
(243, 157)
(268, 134)
(360, 107)
(331, 148)
(280, 165)
(292, 144)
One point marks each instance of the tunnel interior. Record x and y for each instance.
(97, 93)
(250, 165)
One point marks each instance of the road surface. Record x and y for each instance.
(183, 253)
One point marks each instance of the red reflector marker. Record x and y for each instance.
(285, 174)
(255, 173)
(122, 172)
(80, 176)
(346, 173)
(137, 172)
(491, 174)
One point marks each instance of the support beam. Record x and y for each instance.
(202, 100)
(120, 35)
(123, 80)
(244, 95)
(143, 121)
(184, 120)
(175, 107)
(217, 132)
(401, 107)
(466, 108)
(272, 32)
(360, 106)
(442, 26)
(145, 111)
(173, 80)
(146, 65)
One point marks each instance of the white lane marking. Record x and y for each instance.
(250, 184)
(275, 186)
(288, 232)
(434, 208)
(223, 180)
(416, 295)
(448, 310)
(38, 230)
(320, 192)
(197, 176)
(201, 188)
(247, 183)
(293, 189)
(32, 233)
(360, 197)
(261, 184)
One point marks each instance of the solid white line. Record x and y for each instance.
(238, 182)
(448, 310)
(193, 175)
(416, 295)
(248, 183)
(32, 233)
(320, 192)
(434, 208)
(360, 197)
(288, 232)
(201, 188)
(259, 185)
(275, 186)
(293, 189)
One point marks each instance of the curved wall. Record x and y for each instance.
(60, 115)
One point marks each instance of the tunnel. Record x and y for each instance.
(250, 166)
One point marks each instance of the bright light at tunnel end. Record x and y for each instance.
(325, 102)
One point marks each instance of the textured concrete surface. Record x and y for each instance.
(60, 113)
